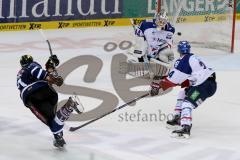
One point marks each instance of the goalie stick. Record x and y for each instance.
(118, 108)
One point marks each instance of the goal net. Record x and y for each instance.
(204, 23)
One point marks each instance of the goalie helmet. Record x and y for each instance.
(184, 47)
(26, 60)
(161, 19)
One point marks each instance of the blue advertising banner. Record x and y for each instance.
(55, 10)
(60, 14)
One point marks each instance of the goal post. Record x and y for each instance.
(234, 5)
(205, 23)
(158, 5)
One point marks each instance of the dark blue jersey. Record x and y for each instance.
(30, 79)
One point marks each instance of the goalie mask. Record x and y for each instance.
(161, 19)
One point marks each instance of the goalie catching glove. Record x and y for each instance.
(54, 78)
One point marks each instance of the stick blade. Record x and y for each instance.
(72, 129)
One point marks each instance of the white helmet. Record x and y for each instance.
(161, 19)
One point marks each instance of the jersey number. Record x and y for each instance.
(170, 74)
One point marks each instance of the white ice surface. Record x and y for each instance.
(216, 123)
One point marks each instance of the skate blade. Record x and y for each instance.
(59, 146)
(175, 127)
(180, 136)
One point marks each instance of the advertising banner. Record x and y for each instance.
(58, 14)
(55, 10)
(238, 9)
(141, 8)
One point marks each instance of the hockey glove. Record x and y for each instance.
(54, 59)
(52, 62)
(138, 32)
(50, 65)
(54, 78)
(154, 89)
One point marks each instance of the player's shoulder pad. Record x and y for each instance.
(169, 27)
(195, 56)
(20, 72)
(148, 23)
(194, 59)
(182, 64)
(33, 65)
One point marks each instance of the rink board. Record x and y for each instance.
(101, 23)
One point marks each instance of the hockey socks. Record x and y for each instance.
(61, 116)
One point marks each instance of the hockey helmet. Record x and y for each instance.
(26, 60)
(161, 19)
(184, 47)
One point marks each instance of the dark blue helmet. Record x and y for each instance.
(184, 47)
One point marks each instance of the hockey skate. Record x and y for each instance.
(59, 142)
(184, 132)
(73, 102)
(174, 123)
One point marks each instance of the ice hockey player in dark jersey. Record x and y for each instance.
(37, 94)
(198, 83)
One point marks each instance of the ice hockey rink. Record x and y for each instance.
(216, 123)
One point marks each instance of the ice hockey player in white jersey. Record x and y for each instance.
(198, 81)
(158, 39)
(37, 94)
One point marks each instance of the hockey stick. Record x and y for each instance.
(118, 108)
(49, 45)
(133, 25)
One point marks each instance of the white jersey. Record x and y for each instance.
(156, 39)
(189, 67)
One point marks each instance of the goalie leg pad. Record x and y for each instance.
(139, 49)
(166, 55)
